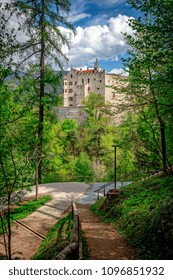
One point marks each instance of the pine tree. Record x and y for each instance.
(42, 25)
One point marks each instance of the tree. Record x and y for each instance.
(83, 168)
(96, 123)
(97, 134)
(7, 39)
(15, 168)
(43, 22)
(150, 69)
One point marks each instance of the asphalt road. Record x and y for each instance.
(64, 193)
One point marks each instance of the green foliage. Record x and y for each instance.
(96, 207)
(85, 251)
(144, 216)
(60, 149)
(94, 104)
(16, 169)
(56, 239)
(24, 210)
(68, 125)
(43, 43)
(83, 168)
(150, 83)
(81, 151)
(42, 19)
(7, 38)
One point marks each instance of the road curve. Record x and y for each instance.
(62, 195)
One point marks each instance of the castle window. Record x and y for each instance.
(65, 83)
(98, 88)
(89, 88)
(65, 90)
(75, 82)
(71, 76)
(88, 80)
(70, 83)
(82, 81)
(70, 98)
(100, 81)
(70, 90)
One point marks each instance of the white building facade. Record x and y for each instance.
(78, 84)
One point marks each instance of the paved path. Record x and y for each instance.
(62, 194)
(25, 243)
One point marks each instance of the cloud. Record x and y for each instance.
(75, 18)
(78, 68)
(97, 11)
(108, 2)
(105, 42)
(78, 11)
(119, 71)
(13, 22)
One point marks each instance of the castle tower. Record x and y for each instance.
(96, 66)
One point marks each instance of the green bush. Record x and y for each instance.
(144, 215)
(83, 169)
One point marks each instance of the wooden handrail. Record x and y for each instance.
(73, 250)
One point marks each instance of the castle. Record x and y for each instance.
(79, 83)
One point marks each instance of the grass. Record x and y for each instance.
(144, 216)
(22, 211)
(56, 239)
(85, 251)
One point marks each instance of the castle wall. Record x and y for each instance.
(74, 113)
(113, 89)
(79, 115)
(79, 83)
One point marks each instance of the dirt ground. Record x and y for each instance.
(25, 243)
(104, 242)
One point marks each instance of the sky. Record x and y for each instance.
(99, 25)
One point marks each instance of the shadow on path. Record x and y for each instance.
(104, 242)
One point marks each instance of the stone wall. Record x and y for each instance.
(79, 115)
(79, 83)
(75, 113)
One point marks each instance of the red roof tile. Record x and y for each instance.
(87, 71)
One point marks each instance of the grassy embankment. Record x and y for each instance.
(24, 210)
(144, 216)
(56, 239)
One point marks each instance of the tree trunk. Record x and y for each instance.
(42, 89)
(162, 130)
